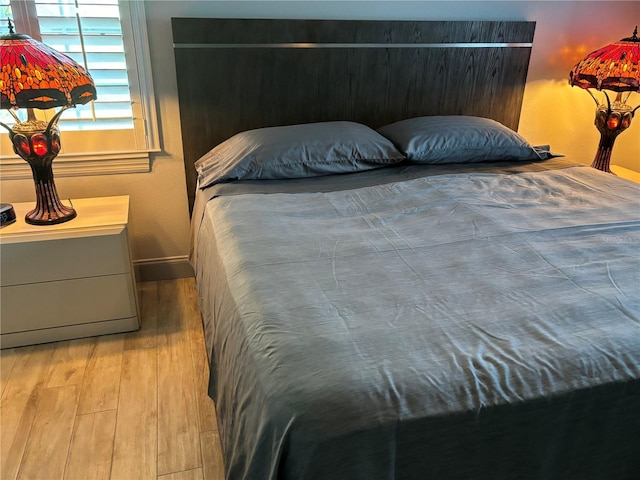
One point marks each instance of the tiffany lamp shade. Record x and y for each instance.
(36, 76)
(615, 68)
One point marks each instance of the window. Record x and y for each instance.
(116, 132)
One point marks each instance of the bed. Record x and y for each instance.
(393, 283)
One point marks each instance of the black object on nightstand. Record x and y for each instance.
(7, 214)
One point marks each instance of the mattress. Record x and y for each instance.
(424, 322)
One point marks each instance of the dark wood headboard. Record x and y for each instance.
(239, 74)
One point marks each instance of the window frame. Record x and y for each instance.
(145, 120)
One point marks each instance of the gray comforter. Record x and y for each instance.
(483, 324)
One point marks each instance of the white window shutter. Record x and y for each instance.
(89, 32)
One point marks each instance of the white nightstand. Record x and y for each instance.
(69, 280)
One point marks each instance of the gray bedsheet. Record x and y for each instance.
(483, 324)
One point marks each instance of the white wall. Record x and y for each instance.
(552, 112)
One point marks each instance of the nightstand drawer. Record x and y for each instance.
(50, 260)
(69, 302)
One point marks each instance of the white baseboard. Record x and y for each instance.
(167, 268)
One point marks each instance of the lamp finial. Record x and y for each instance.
(11, 32)
(634, 37)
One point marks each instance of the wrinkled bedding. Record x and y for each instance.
(422, 323)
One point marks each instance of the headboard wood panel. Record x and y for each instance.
(239, 74)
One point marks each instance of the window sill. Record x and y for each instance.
(77, 164)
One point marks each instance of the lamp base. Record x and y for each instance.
(38, 143)
(49, 209)
(611, 120)
(602, 159)
(49, 215)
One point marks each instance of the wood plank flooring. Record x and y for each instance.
(130, 406)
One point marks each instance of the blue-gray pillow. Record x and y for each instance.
(457, 139)
(296, 151)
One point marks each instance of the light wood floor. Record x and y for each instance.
(128, 406)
